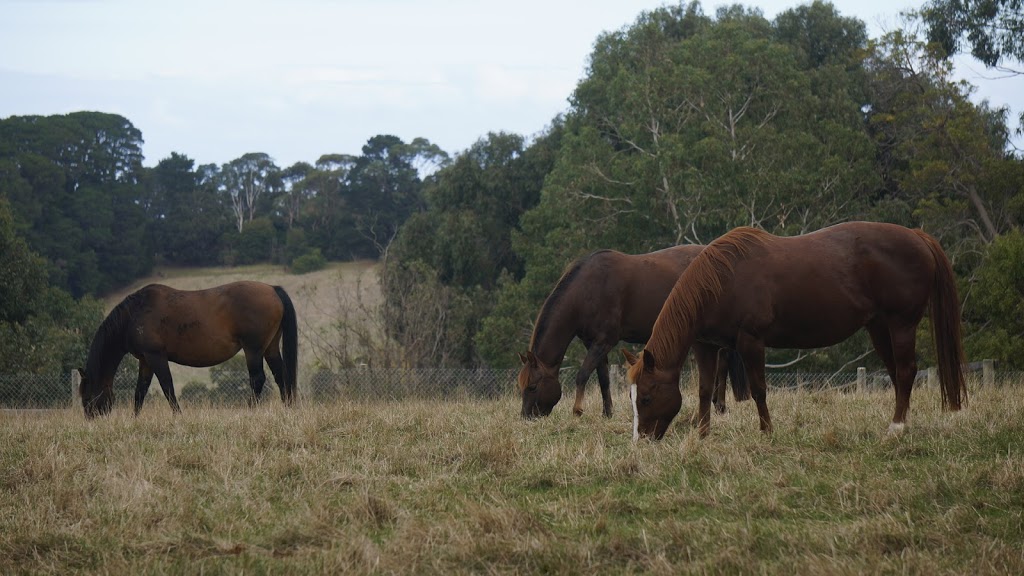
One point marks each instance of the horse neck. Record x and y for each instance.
(673, 334)
(105, 355)
(551, 340)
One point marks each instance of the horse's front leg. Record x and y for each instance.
(596, 353)
(707, 369)
(158, 364)
(142, 383)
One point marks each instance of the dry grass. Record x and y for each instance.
(430, 487)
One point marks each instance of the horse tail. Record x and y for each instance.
(945, 320)
(738, 376)
(289, 344)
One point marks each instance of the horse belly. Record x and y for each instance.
(200, 349)
(813, 326)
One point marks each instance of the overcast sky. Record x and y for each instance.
(297, 79)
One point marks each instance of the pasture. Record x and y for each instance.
(469, 487)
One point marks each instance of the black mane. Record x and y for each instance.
(109, 338)
(553, 299)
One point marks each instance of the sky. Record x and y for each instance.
(216, 79)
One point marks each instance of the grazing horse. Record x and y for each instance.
(750, 289)
(602, 299)
(158, 324)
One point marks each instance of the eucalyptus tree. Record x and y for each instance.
(991, 30)
(940, 155)
(294, 191)
(245, 180)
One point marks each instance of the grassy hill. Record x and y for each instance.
(342, 291)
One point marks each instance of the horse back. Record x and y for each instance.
(200, 327)
(625, 292)
(834, 280)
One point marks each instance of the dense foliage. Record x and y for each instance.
(684, 126)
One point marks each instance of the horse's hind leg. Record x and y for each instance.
(606, 386)
(142, 384)
(721, 373)
(897, 348)
(257, 377)
(276, 364)
(158, 364)
(751, 350)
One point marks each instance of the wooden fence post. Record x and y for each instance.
(988, 372)
(862, 378)
(76, 381)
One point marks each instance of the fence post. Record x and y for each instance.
(988, 372)
(933, 378)
(862, 378)
(76, 381)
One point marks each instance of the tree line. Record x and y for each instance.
(685, 125)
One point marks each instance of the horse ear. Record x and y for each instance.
(531, 358)
(523, 358)
(648, 358)
(629, 356)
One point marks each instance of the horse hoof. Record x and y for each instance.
(896, 429)
(577, 411)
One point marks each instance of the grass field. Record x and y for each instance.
(468, 487)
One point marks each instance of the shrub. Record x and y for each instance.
(311, 261)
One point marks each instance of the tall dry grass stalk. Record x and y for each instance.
(469, 487)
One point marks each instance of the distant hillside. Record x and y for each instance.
(321, 299)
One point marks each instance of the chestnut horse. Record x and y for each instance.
(158, 324)
(602, 299)
(750, 289)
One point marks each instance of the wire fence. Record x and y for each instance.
(34, 391)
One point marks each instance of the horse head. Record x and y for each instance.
(539, 386)
(97, 397)
(654, 393)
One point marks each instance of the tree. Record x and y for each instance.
(328, 217)
(384, 188)
(993, 30)
(42, 329)
(295, 192)
(187, 219)
(938, 152)
(248, 179)
(686, 126)
(996, 314)
(76, 194)
(458, 248)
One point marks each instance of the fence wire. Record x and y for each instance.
(32, 391)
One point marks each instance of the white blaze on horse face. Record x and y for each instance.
(636, 414)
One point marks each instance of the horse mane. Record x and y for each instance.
(699, 286)
(111, 331)
(540, 326)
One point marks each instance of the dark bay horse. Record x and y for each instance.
(602, 299)
(750, 289)
(158, 324)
